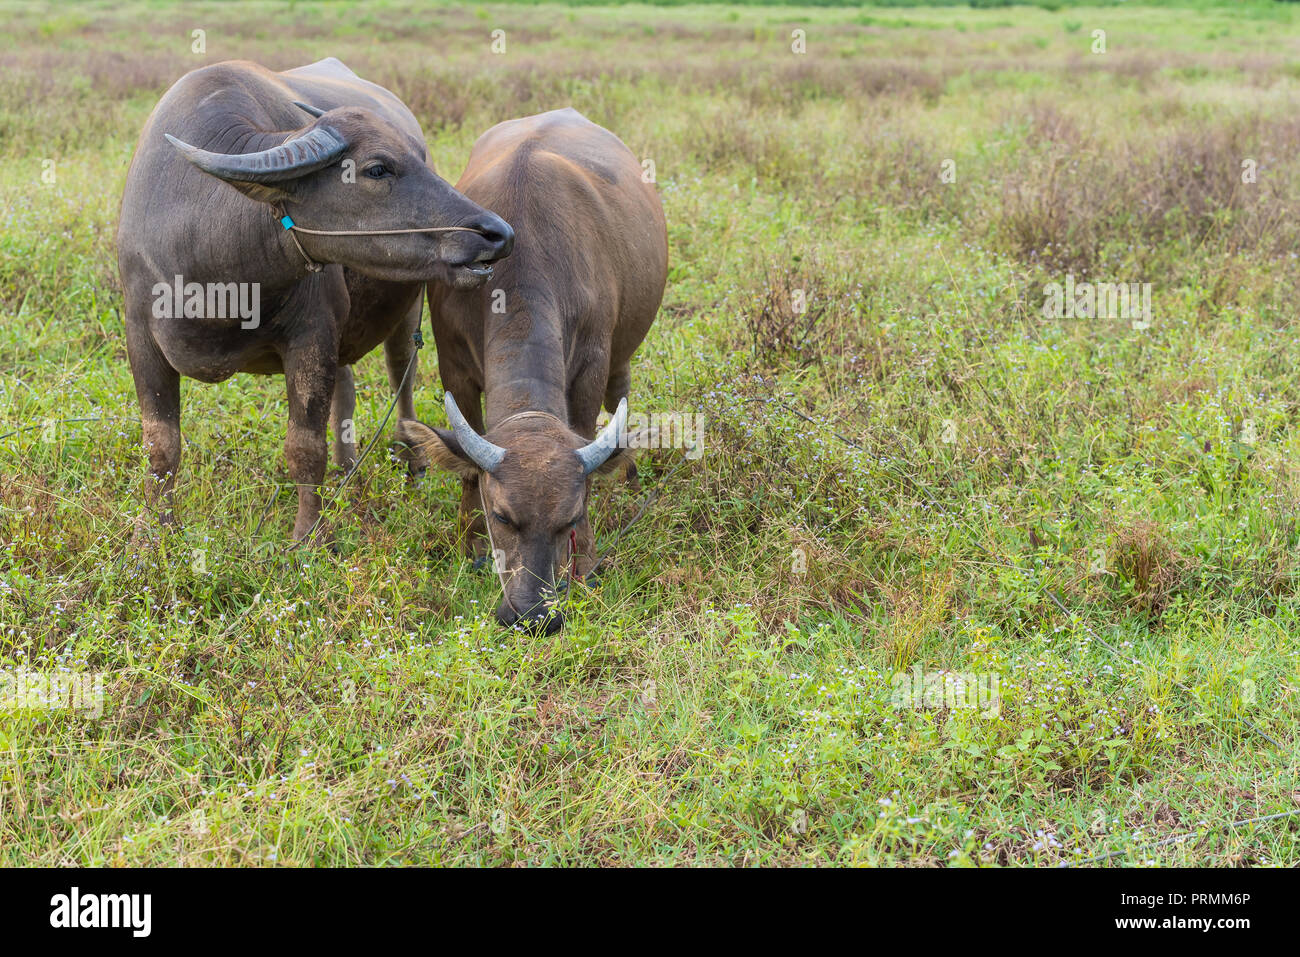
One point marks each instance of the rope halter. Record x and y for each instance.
(290, 227)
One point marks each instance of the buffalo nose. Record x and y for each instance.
(540, 620)
(497, 232)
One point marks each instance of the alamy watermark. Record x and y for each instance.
(947, 689)
(74, 909)
(28, 690)
(1098, 300)
(665, 430)
(214, 300)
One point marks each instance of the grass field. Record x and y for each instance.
(861, 236)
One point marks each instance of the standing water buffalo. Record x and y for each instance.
(216, 283)
(543, 345)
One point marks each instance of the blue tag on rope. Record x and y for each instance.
(286, 222)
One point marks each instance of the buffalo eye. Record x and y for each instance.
(378, 171)
(503, 520)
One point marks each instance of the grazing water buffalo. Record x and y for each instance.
(215, 283)
(543, 344)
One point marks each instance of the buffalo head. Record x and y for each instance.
(533, 473)
(352, 170)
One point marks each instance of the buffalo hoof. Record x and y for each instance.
(314, 535)
(149, 531)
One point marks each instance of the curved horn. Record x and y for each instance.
(480, 451)
(313, 150)
(605, 444)
(314, 111)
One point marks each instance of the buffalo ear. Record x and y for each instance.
(425, 446)
(624, 457)
(621, 460)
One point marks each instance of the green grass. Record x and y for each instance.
(724, 696)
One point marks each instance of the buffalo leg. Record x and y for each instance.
(584, 404)
(310, 378)
(342, 424)
(399, 350)
(158, 389)
(473, 527)
(620, 380)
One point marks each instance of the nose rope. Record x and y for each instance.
(291, 227)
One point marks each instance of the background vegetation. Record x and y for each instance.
(723, 697)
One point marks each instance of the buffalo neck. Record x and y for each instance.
(279, 267)
(524, 360)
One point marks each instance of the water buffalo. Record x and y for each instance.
(543, 344)
(215, 282)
